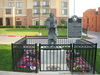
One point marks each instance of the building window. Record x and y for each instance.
(45, 3)
(45, 11)
(18, 22)
(36, 3)
(8, 11)
(19, 11)
(10, 4)
(19, 4)
(64, 12)
(64, 4)
(36, 11)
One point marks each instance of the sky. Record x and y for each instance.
(82, 5)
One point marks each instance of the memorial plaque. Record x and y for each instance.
(74, 27)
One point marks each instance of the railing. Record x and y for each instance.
(85, 57)
(25, 57)
(53, 57)
(33, 53)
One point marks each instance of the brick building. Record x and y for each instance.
(91, 20)
(32, 12)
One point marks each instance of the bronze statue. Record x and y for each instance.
(51, 23)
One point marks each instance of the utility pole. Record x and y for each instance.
(74, 7)
(13, 13)
(4, 13)
(39, 11)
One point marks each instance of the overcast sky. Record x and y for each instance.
(82, 5)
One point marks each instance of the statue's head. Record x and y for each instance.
(51, 15)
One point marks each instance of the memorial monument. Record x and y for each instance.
(51, 23)
(74, 27)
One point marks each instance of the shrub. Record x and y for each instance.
(1, 26)
(8, 26)
(21, 26)
(17, 26)
(37, 26)
(30, 26)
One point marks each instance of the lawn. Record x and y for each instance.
(30, 31)
(6, 58)
(98, 61)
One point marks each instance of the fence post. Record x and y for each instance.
(40, 56)
(12, 57)
(71, 52)
(36, 58)
(72, 56)
(95, 54)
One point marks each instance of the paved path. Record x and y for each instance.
(8, 40)
(11, 39)
(97, 38)
(40, 73)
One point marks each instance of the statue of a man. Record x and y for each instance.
(51, 23)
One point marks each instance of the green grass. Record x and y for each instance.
(6, 58)
(83, 36)
(98, 61)
(30, 31)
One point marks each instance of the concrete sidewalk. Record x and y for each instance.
(8, 40)
(12, 39)
(40, 73)
(90, 35)
(97, 38)
(43, 73)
